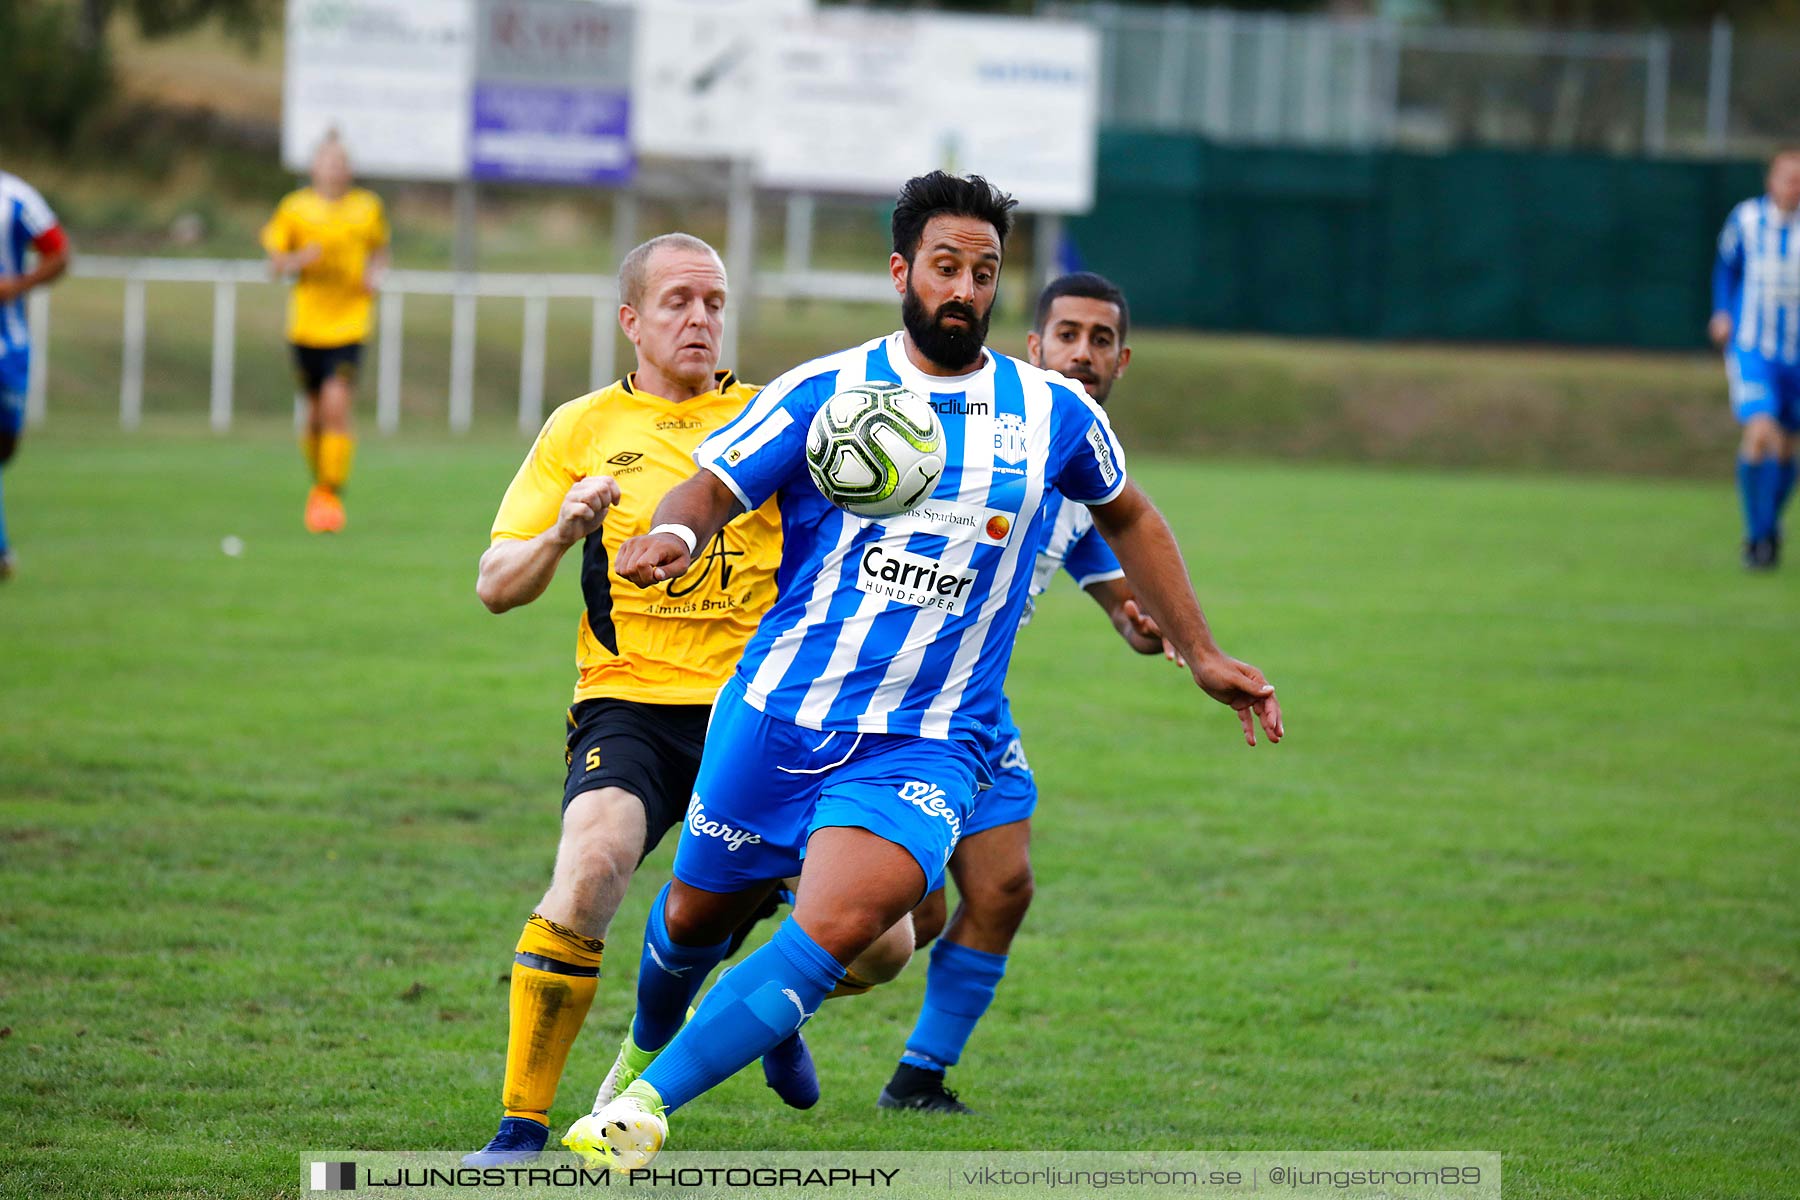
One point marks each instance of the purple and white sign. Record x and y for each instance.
(551, 133)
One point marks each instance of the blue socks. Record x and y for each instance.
(1763, 486)
(959, 986)
(669, 977)
(754, 1007)
(1784, 487)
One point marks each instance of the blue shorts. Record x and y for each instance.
(1014, 794)
(12, 412)
(1762, 388)
(765, 785)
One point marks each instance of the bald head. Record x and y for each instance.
(639, 265)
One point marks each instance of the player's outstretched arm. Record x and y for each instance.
(689, 517)
(516, 571)
(1129, 618)
(1146, 548)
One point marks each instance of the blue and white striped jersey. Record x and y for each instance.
(906, 624)
(1757, 279)
(24, 217)
(1073, 545)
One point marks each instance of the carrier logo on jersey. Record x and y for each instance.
(1009, 438)
(929, 799)
(955, 520)
(733, 837)
(624, 458)
(907, 578)
(1109, 471)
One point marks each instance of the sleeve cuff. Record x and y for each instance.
(1106, 499)
(729, 482)
(1084, 582)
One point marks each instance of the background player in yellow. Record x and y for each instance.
(651, 660)
(333, 238)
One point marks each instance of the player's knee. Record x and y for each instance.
(1004, 898)
(697, 918)
(1762, 438)
(847, 932)
(602, 837)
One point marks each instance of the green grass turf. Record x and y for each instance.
(1521, 879)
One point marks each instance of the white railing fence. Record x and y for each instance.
(227, 276)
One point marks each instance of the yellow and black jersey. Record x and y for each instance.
(330, 305)
(675, 643)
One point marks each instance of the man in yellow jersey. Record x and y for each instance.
(651, 660)
(333, 238)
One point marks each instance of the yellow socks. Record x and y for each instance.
(309, 446)
(555, 974)
(336, 450)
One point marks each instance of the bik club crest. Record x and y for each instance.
(1009, 438)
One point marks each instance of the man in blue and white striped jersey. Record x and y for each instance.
(857, 727)
(33, 251)
(1078, 330)
(1756, 322)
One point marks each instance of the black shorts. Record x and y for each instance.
(650, 750)
(316, 364)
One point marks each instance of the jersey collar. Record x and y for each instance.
(925, 384)
(721, 381)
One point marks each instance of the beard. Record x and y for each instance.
(950, 347)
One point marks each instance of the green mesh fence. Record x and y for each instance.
(1480, 244)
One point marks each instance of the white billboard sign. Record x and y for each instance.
(854, 101)
(695, 85)
(392, 76)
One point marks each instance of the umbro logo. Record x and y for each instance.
(624, 458)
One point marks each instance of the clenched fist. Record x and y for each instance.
(584, 508)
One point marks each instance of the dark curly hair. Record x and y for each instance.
(941, 194)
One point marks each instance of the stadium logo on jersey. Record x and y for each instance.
(956, 406)
(1009, 438)
(906, 578)
(1109, 471)
(929, 799)
(956, 521)
(672, 423)
(733, 837)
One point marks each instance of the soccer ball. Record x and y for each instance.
(875, 449)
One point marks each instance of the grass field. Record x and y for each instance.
(1521, 879)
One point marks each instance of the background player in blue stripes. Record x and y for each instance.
(858, 724)
(26, 224)
(1079, 331)
(1756, 322)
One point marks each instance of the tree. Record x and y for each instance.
(245, 19)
